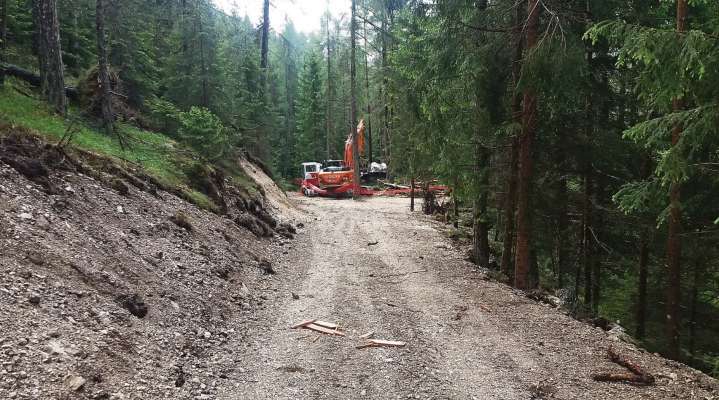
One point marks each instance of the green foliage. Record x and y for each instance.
(311, 135)
(204, 131)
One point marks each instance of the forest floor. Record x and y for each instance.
(467, 337)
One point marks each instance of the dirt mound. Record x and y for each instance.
(276, 198)
(115, 290)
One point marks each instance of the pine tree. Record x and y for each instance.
(310, 113)
(50, 54)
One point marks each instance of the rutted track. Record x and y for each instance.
(467, 337)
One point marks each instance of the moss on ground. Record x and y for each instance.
(164, 159)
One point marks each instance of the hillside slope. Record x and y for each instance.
(110, 291)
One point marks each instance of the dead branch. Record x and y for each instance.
(637, 376)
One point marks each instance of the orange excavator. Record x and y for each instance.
(336, 177)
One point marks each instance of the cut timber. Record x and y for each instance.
(329, 325)
(322, 329)
(637, 375)
(387, 343)
(381, 343)
(303, 324)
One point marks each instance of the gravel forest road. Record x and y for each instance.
(467, 337)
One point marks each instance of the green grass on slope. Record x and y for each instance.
(159, 156)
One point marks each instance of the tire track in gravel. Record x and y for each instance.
(468, 338)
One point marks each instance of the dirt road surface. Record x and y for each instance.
(467, 337)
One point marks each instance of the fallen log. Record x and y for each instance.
(325, 324)
(33, 79)
(636, 376)
(381, 343)
(303, 324)
(322, 329)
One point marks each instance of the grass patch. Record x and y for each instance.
(161, 157)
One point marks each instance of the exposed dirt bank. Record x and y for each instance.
(108, 291)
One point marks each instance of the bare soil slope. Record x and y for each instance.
(111, 292)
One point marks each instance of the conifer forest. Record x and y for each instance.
(578, 139)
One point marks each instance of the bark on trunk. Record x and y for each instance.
(3, 38)
(455, 204)
(696, 285)
(587, 240)
(642, 287)
(510, 200)
(50, 55)
(562, 226)
(353, 102)
(411, 195)
(480, 234)
(369, 103)
(328, 117)
(38, 44)
(674, 250)
(264, 45)
(203, 63)
(596, 259)
(529, 123)
(108, 117)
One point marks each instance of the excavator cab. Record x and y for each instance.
(310, 168)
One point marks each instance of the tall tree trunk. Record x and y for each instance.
(411, 194)
(3, 37)
(510, 201)
(385, 97)
(103, 73)
(696, 285)
(38, 44)
(328, 117)
(562, 226)
(264, 45)
(529, 125)
(290, 114)
(674, 249)
(480, 230)
(596, 260)
(205, 98)
(587, 240)
(455, 203)
(641, 315)
(369, 103)
(353, 102)
(50, 55)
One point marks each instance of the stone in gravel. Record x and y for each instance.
(42, 223)
(34, 299)
(36, 259)
(295, 296)
(267, 267)
(134, 304)
(74, 382)
(26, 216)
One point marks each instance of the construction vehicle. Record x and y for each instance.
(336, 177)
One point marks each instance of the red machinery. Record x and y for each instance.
(336, 178)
